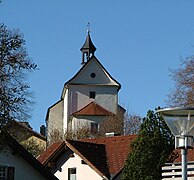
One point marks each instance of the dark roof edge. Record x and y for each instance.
(55, 153)
(48, 110)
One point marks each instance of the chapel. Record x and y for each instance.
(87, 98)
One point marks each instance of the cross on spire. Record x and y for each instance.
(88, 28)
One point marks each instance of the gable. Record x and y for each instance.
(93, 73)
(79, 150)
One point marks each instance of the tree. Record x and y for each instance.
(81, 133)
(132, 123)
(183, 92)
(112, 123)
(33, 147)
(15, 66)
(120, 123)
(150, 150)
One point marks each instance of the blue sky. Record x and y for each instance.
(137, 42)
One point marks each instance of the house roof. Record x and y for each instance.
(27, 128)
(117, 149)
(51, 152)
(177, 155)
(92, 109)
(86, 151)
(12, 143)
(110, 153)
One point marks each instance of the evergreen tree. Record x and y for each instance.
(150, 150)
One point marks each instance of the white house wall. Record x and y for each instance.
(23, 170)
(83, 171)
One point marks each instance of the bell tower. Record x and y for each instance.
(87, 49)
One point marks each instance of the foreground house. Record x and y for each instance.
(96, 159)
(16, 163)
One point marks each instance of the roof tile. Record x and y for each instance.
(92, 109)
(107, 154)
(117, 149)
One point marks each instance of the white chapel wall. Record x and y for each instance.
(55, 118)
(106, 97)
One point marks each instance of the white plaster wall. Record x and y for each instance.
(23, 170)
(101, 76)
(106, 96)
(66, 110)
(86, 121)
(84, 172)
(55, 118)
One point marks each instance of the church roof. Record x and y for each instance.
(93, 58)
(93, 109)
(88, 45)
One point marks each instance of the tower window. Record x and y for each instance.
(92, 94)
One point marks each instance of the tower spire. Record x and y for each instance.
(88, 47)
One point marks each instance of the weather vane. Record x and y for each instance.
(88, 28)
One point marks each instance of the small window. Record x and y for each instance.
(93, 75)
(92, 94)
(7, 172)
(3, 172)
(94, 128)
(71, 173)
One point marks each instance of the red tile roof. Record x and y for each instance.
(93, 154)
(117, 149)
(105, 155)
(190, 156)
(47, 155)
(93, 109)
